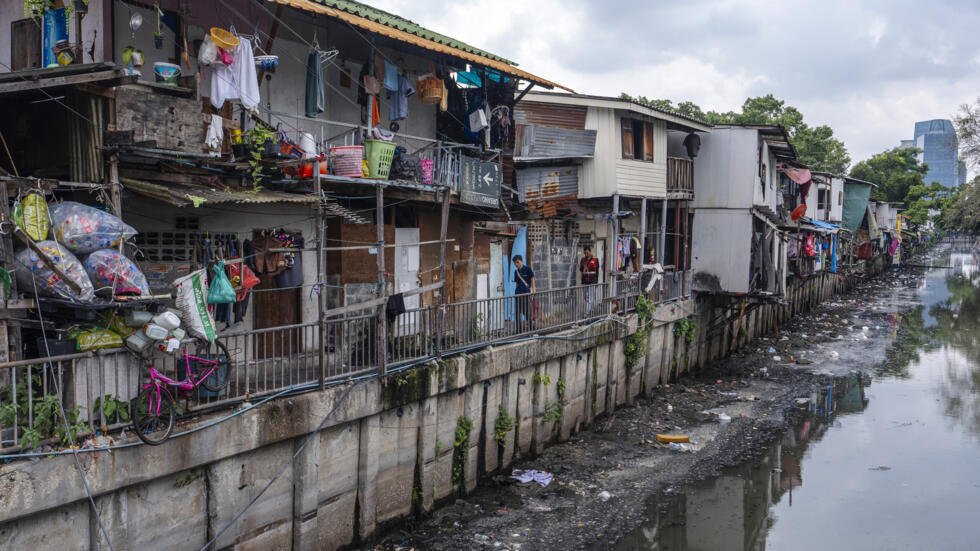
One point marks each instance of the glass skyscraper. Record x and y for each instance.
(939, 146)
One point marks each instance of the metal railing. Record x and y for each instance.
(97, 387)
(674, 285)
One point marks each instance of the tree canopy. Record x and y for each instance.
(967, 122)
(894, 171)
(962, 212)
(817, 146)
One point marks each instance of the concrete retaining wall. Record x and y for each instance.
(392, 448)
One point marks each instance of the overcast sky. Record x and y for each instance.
(867, 69)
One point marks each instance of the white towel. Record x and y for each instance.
(216, 133)
(236, 81)
(244, 66)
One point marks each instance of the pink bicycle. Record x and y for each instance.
(154, 409)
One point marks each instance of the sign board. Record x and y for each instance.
(479, 182)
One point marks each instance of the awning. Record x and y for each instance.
(827, 226)
(183, 195)
(409, 38)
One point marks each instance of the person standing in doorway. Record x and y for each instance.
(524, 285)
(589, 268)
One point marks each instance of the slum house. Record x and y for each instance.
(738, 247)
(858, 218)
(812, 242)
(205, 161)
(611, 174)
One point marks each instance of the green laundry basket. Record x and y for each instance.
(379, 154)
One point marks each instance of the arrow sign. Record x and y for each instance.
(479, 182)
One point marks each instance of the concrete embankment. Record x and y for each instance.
(392, 448)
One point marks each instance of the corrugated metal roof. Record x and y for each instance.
(400, 23)
(183, 195)
(545, 142)
(537, 183)
(390, 28)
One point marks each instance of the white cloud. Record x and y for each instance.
(869, 69)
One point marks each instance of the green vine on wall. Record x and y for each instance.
(635, 345)
(461, 448)
(37, 415)
(685, 328)
(502, 425)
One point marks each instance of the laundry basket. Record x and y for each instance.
(379, 155)
(347, 160)
(428, 167)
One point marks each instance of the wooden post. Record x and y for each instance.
(114, 186)
(382, 324)
(440, 309)
(663, 233)
(9, 330)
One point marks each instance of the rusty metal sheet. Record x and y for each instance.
(536, 113)
(536, 183)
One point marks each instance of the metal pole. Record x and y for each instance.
(443, 230)
(320, 275)
(614, 224)
(663, 232)
(382, 287)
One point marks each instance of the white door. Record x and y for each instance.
(407, 276)
(495, 316)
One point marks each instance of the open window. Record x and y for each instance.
(637, 137)
(822, 202)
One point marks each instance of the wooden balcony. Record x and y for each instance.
(680, 178)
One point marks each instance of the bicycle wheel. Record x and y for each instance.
(221, 374)
(152, 427)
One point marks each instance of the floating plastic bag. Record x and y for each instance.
(84, 229)
(209, 51)
(48, 283)
(221, 291)
(192, 292)
(31, 215)
(106, 265)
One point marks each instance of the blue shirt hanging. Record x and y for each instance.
(391, 77)
(398, 100)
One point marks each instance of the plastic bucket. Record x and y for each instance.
(307, 144)
(379, 155)
(166, 73)
(347, 160)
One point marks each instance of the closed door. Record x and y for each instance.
(496, 284)
(407, 275)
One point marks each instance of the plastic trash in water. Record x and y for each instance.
(777, 358)
(604, 496)
(834, 354)
(771, 350)
(724, 418)
(670, 408)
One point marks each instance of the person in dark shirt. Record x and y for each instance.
(524, 280)
(589, 267)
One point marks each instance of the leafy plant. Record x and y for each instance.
(502, 425)
(461, 449)
(541, 379)
(561, 388)
(635, 345)
(553, 412)
(37, 415)
(115, 410)
(685, 328)
(256, 138)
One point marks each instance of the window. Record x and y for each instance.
(637, 138)
(822, 199)
(840, 198)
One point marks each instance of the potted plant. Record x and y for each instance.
(158, 39)
(261, 142)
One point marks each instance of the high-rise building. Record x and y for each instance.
(940, 150)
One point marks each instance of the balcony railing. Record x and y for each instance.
(680, 175)
(272, 361)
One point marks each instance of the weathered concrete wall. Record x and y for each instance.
(392, 448)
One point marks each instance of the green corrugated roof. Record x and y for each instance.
(402, 24)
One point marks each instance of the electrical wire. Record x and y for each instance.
(68, 434)
(299, 450)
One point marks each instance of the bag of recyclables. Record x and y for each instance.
(106, 266)
(30, 267)
(84, 229)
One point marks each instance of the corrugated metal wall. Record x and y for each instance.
(85, 138)
(545, 142)
(544, 182)
(571, 117)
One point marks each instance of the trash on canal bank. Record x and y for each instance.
(673, 438)
(541, 477)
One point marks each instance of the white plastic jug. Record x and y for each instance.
(156, 332)
(138, 318)
(138, 341)
(168, 320)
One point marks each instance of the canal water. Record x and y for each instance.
(888, 458)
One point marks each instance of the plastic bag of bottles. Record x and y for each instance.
(30, 266)
(84, 229)
(106, 266)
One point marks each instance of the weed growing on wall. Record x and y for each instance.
(502, 425)
(685, 328)
(635, 346)
(461, 448)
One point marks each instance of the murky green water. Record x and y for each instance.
(888, 460)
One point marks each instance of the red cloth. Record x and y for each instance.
(801, 176)
(810, 247)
